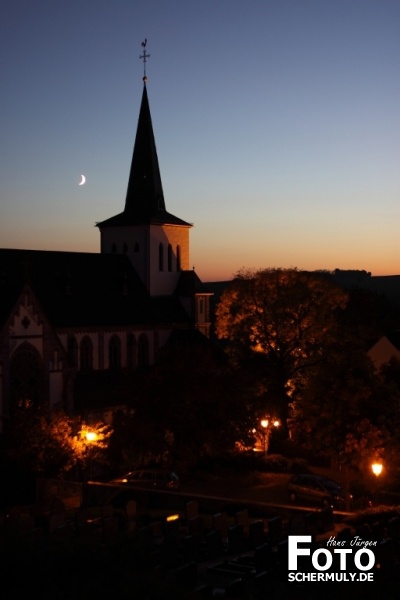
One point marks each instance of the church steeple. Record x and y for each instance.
(144, 195)
(155, 241)
(144, 203)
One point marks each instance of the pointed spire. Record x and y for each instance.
(144, 194)
(144, 201)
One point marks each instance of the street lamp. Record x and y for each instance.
(91, 440)
(91, 437)
(377, 468)
(264, 424)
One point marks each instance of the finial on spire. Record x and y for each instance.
(144, 58)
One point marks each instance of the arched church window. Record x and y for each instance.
(86, 354)
(169, 257)
(131, 350)
(178, 258)
(143, 351)
(161, 257)
(26, 378)
(73, 352)
(114, 352)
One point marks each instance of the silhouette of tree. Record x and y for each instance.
(336, 396)
(279, 323)
(52, 445)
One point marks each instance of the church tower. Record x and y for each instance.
(156, 242)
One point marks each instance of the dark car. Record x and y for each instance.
(150, 478)
(316, 489)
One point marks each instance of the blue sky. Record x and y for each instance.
(277, 125)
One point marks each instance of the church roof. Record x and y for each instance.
(144, 202)
(189, 284)
(78, 289)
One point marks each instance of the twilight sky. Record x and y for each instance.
(277, 124)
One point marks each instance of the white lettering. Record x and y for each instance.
(371, 560)
(333, 542)
(294, 551)
(328, 557)
(324, 564)
(343, 552)
(357, 541)
(346, 577)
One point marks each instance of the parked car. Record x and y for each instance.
(316, 489)
(150, 478)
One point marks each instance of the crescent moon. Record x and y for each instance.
(83, 180)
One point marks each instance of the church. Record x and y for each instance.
(73, 317)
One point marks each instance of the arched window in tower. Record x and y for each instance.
(131, 351)
(161, 257)
(26, 378)
(114, 352)
(73, 352)
(143, 351)
(114, 249)
(178, 258)
(86, 354)
(169, 257)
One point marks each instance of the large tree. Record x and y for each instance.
(280, 323)
(335, 414)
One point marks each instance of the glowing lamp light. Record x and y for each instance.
(91, 436)
(171, 518)
(264, 423)
(377, 468)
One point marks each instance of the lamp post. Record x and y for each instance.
(376, 468)
(266, 430)
(264, 424)
(91, 439)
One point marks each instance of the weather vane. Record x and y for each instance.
(144, 58)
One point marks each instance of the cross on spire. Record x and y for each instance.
(144, 56)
